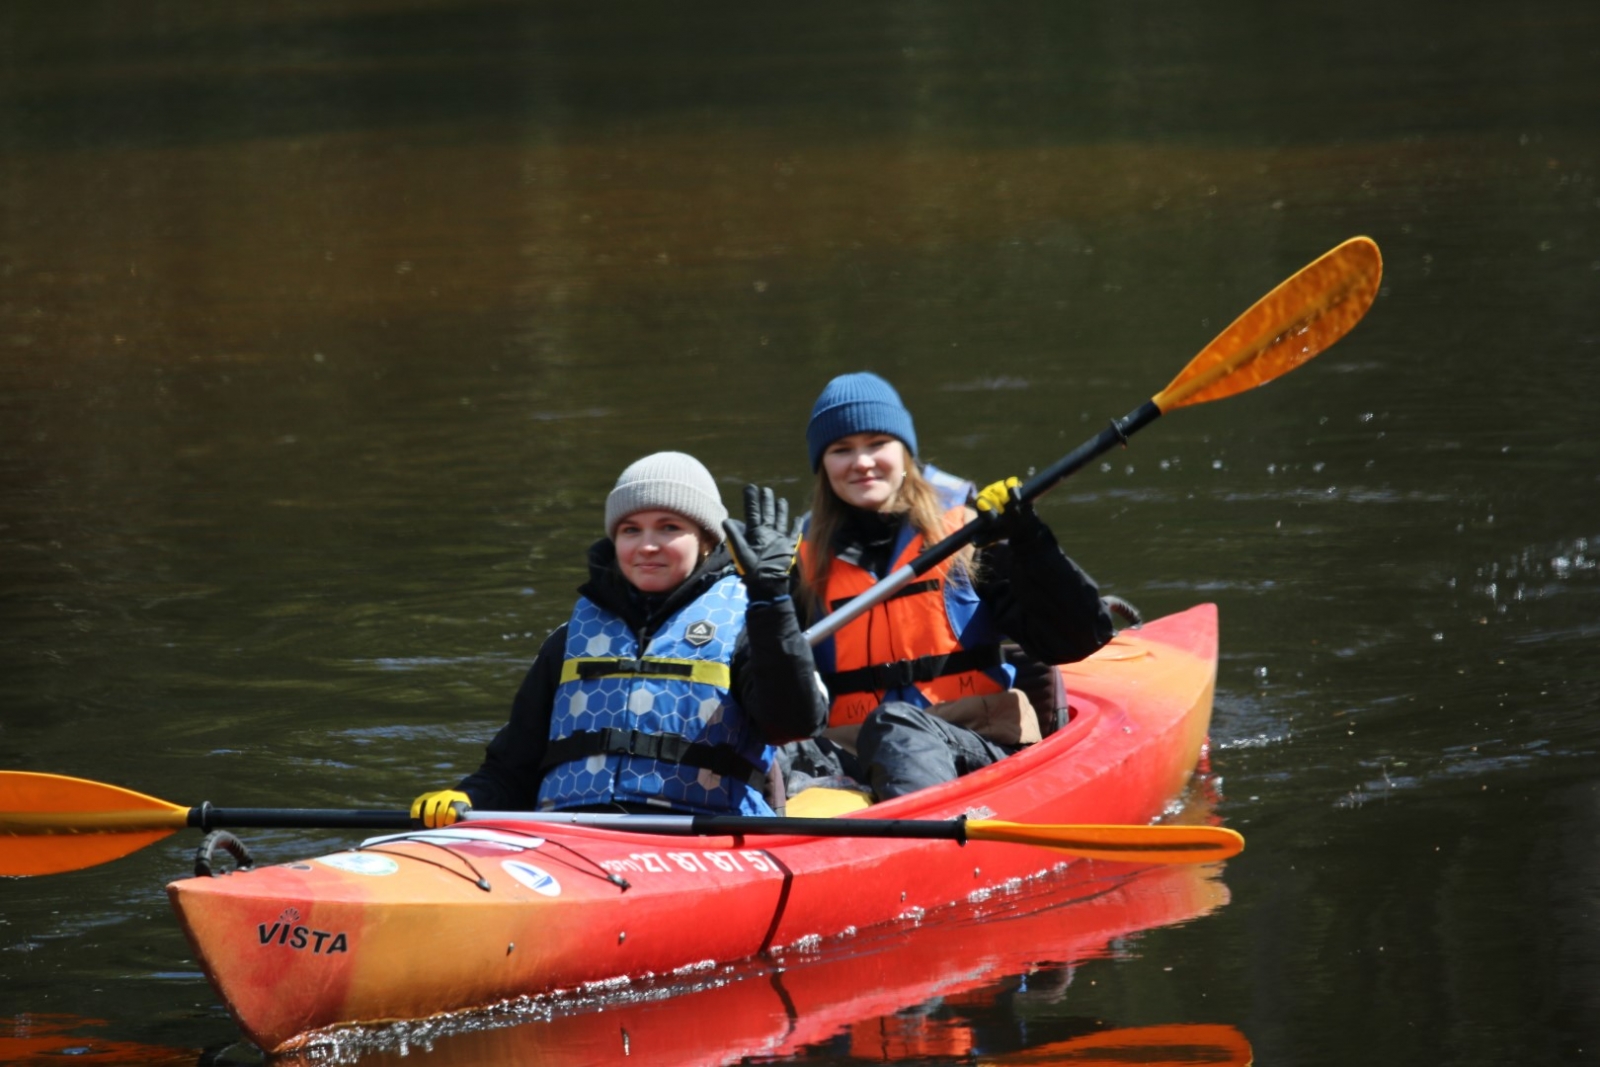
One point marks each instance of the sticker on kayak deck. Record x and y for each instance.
(360, 863)
(539, 881)
(694, 862)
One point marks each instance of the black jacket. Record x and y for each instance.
(774, 679)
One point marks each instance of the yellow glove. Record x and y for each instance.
(440, 808)
(1007, 517)
(996, 496)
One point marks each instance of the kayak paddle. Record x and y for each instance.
(1305, 314)
(51, 823)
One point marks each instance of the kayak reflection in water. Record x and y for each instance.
(681, 667)
(921, 689)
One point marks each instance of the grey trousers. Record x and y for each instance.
(904, 748)
(901, 749)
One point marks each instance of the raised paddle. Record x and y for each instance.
(50, 823)
(1309, 311)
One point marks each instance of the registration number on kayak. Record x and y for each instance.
(725, 861)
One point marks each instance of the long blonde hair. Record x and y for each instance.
(916, 499)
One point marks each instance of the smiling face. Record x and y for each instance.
(657, 550)
(866, 469)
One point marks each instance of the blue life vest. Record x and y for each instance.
(657, 725)
(954, 491)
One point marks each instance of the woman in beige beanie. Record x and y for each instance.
(680, 669)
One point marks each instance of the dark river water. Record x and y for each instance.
(325, 327)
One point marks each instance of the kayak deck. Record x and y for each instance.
(420, 923)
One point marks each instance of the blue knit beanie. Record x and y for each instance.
(857, 403)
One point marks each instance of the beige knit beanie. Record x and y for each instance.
(669, 481)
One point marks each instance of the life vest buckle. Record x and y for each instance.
(899, 674)
(615, 742)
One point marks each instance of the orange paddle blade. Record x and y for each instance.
(1175, 1045)
(1126, 844)
(1311, 310)
(50, 823)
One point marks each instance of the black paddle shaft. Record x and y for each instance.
(1113, 435)
(206, 817)
(1116, 434)
(736, 825)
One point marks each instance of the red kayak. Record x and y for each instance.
(863, 991)
(431, 921)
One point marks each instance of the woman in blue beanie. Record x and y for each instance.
(681, 668)
(920, 690)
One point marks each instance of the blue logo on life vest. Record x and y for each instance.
(535, 878)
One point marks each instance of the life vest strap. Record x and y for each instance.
(708, 672)
(927, 585)
(898, 675)
(667, 748)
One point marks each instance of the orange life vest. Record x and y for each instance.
(929, 643)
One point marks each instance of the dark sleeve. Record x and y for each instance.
(1042, 600)
(508, 780)
(774, 676)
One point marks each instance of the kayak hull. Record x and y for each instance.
(434, 921)
(862, 993)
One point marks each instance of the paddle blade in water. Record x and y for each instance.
(50, 823)
(1311, 310)
(1128, 844)
(1172, 1045)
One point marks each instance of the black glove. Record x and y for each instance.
(1006, 516)
(763, 552)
